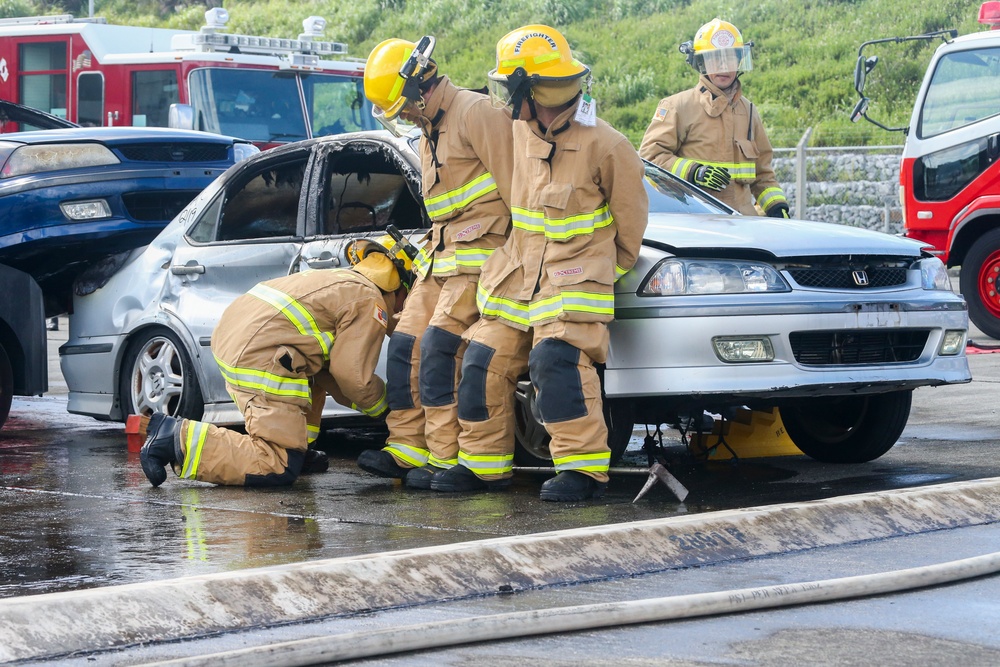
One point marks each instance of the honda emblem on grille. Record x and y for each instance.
(860, 278)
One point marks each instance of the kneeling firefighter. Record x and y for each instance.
(282, 347)
(466, 155)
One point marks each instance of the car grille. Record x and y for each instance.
(180, 152)
(848, 278)
(843, 348)
(159, 206)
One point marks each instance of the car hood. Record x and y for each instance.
(688, 234)
(114, 135)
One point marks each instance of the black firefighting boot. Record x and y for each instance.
(159, 450)
(380, 462)
(459, 478)
(420, 478)
(314, 461)
(571, 485)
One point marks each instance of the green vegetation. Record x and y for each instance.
(804, 51)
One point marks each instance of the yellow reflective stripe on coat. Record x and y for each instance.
(487, 464)
(770, 197)
(193, 444)
(682, 168)
(598, 462)
(381, 405)
(462, 257)
(296, 313)
(738, 171)
(448, 202)
(561, 228)
(527, 314)
(421, 263)
(619, 272)
(269, 383)
(413, 455)
(312, 432)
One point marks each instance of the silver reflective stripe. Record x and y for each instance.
(413, 455)
(487, 464)
(598, 462)
(445, 203)
(269, 383)
(296, 313)
(193, 444)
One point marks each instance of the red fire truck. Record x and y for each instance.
(264, 89)
(950, 171)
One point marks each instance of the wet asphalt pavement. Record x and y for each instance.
(79, 513)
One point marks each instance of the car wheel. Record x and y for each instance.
(855, 429)
(531, 446)
(6, 386)
(157, 376)
(978, 283)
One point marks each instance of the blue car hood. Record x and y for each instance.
(778, 237)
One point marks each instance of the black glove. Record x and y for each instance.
(709, 177)
(778, 211)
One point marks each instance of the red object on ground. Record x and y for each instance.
(132, 433)
(975, 348)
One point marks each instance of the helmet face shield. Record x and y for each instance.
(720, 61)
(397, 125)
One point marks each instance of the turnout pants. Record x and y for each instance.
(560, 357)
(269, 454)
(422, 370)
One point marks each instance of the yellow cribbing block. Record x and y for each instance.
(751, 434)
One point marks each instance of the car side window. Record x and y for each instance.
(264, 203)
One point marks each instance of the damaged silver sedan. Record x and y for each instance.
(833, 325)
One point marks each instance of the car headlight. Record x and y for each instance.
(934, 274)
(243, 151)
(676, 276)
(54, 157)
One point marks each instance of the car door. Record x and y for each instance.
(253, 230)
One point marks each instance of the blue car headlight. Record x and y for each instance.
(676, 276)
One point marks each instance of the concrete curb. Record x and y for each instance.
(51, 625)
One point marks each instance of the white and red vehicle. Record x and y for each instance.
(264, 89)
(950, 171)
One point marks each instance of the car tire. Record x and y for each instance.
(854, 429)
(6, 386)
(531, 440)
(157, 375)
(979, 277)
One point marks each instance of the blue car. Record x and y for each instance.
(73, 197)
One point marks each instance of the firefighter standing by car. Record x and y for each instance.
(281, 348)
(579, 210)
(466, 155)
(712, 135)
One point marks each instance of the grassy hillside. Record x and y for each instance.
(804, 51)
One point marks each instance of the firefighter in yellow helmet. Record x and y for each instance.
(579, 211)
(281, 348)
(712, 135)
(466, 155)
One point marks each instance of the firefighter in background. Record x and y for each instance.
(466, 155)
(281, 348)
(712, 135)
(579, 211)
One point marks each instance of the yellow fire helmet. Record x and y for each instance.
(364, 256)
(534, 55)
(394, 73)
(718, 47)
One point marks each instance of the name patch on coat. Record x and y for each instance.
(468, 230)
(575, 271)
(381, 316)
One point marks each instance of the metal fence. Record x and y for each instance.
(856, 186)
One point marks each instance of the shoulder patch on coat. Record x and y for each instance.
(381, 316)
(661, 113)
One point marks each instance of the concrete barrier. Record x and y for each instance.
(53, 625)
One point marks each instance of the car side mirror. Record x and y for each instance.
(861, 70)
(181, 116)
(860, 109)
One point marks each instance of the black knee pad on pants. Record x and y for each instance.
(437, 367)
(553, 368)
(472, 386)
(397, 371)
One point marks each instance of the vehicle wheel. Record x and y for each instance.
(531, 446)
(855, 429)
(978, 283)
(157, 376)
(6, 386)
